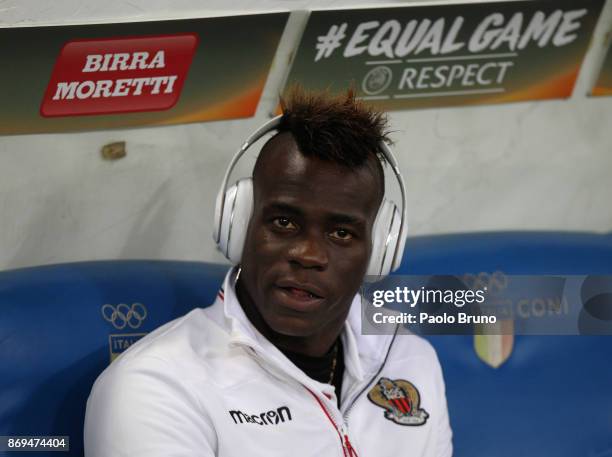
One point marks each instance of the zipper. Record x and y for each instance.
(350, 449)
(347, 448)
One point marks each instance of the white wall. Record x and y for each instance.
(541, 165)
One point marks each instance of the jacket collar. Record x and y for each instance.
(362, 356)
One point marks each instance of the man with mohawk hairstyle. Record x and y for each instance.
(277, 365)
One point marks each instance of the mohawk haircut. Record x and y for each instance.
(339, 128)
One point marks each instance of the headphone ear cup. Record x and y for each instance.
(235, 219)
(385, 234)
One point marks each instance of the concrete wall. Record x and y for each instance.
(540, 165)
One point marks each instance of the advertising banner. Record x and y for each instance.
(446, 55)
(604, 82)
(101, 76)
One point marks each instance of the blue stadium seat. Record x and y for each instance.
(553, 396)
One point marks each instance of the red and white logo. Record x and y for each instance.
(119, 75)
(401, 401)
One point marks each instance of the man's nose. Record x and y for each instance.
(309, 251)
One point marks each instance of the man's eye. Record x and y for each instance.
(283, 223)
(341, 234)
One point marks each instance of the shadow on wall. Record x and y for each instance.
(151, 226)
(53, 228)
(42, 226)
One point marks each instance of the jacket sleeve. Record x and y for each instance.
(444, 434)
(143, 411)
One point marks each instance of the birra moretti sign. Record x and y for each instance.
(119, 75)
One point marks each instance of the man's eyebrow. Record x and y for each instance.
(339, 218)
(283, 207)
(334, 218)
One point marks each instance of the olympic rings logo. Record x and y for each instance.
(124, 315)
(493, 283)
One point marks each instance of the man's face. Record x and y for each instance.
(309, 238)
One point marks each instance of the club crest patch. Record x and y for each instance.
(400, 400)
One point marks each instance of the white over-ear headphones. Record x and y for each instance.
(234, 206)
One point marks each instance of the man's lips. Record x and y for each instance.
(298, 296)
(300, 290)
(297, 300)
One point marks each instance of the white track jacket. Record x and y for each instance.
(209, 384)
